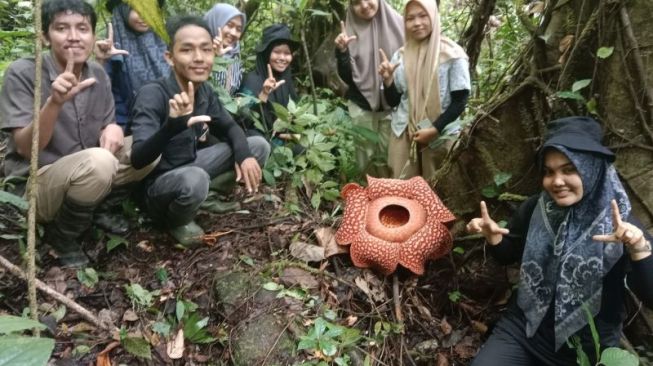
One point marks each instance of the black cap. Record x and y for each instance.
(276, 33)
(577, 133)
(113, 3)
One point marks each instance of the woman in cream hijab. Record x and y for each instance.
(428, 81)
(370, 25)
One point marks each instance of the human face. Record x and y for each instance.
(280, 58)
(561, 179)
(418, 21)
(232, 31)
(365, 9)
(192, 55)
(70, 32)
(136, 23)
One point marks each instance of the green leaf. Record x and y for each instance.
(138, 347)
(566, 94)
(194, 330)
(10, 324)
(162, 328)
(161, 274)
(28, 351)
(272, 286)
(115, 241)
(81, 350)
(592, 106)
(501, 178)
(307, 343)
(140, 296)
(614, 356)
(12, 199)
(459, 250)
(490, 191)
(87, 277)
(180, 308)
(320, 326)
(151, 14)
(580, 84)
(604, 52)
(328, 347)
(454, 296)
(330, 314)
(247, 260)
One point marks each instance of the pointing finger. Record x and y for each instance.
(343, 29)
(605, 238)
(394, 67)
(384, 58)
(484, 215)
(270, 72)
(110, 31)
(352, 38)
(279, 83)
(86, 83)
(198, 119)
(616, 215)
(191, 93)
(70, 62)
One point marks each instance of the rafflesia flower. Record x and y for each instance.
(393, 222)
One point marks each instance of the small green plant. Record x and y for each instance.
(493, 190)
(140, 297)
(329, 342)
(611, 356)
(454, 296)
(87, 277)
(115, 241)
(17, 349)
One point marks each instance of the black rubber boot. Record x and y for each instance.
(109, 215)
(64, 232)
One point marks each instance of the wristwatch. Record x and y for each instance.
(640, 249)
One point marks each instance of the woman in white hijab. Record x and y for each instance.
(428, 81)
(370, 25)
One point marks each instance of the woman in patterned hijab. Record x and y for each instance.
(576, 241)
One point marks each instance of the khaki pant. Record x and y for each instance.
(425, 164)
(368, 151)
(85, 177)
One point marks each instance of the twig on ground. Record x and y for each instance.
(86, 314)
(396, 298)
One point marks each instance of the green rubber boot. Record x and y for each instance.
(64, 232)
(189, 235)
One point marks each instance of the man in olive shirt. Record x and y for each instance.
(83, 153)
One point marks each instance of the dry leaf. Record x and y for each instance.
(565, 47)
(351, 320)
(479, 327)
(306, 252)
(442, 360)
(445, 326)
(373, 290)
(145, 246)
(175, 347)
(536, 7)
(326, 238)
(292, 276)
(129, 316)
(103, 357)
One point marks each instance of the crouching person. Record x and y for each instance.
(83, 153)
(171, 117)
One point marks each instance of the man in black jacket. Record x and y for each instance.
(172, 117)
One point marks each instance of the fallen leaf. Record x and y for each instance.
(427, 346)
(129, 316)
(211, 239)
(103, 357)
(465, 348)
(479, 327)
(442, 360)
(56, 278)
(107, 318)
(326, 238)
(371, 286)
(145, 246)
(351, 320)
(445, 326)
(175, 347)
(306, 252)
(565, 47)
(292, 276)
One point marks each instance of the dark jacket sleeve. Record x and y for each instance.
(119, 88)
(343, 60)
(455, 109)
(511, 247)
(640, 277)
(225, 128)
(150, 126)
(392, 95)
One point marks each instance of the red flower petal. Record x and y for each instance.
(353, 221)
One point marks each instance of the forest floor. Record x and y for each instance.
(446, 312)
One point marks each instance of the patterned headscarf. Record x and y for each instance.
(216, 18)
(562, 264)
(145, 61)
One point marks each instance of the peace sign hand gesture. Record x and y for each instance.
(487, 227)
(219, 46)
(386, 69)
(66, 85)
(182, 104)
(343, 40)
(630, 235)
(269, 85)
(105, 49)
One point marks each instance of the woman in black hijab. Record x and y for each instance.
(271, 81)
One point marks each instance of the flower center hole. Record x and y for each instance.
(394, 216)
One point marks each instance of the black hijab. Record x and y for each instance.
(273, 36)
